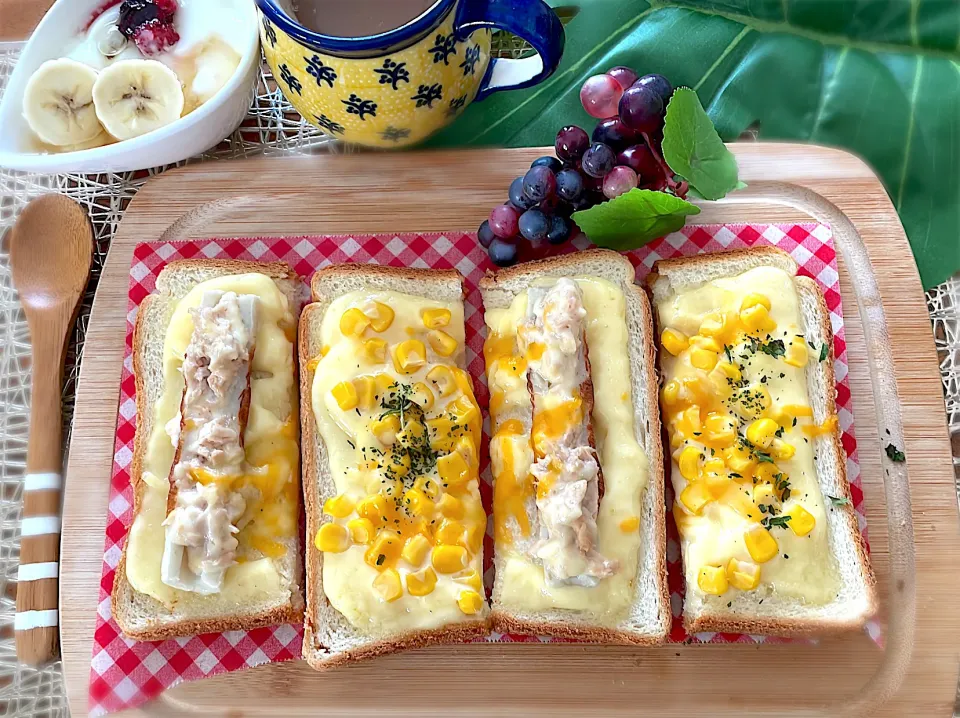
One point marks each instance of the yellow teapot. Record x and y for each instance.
(397, 87)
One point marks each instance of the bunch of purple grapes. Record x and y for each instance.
(622, 153)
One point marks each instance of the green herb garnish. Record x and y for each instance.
(894, 454)
(839, 500)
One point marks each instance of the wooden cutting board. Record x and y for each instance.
(405, 192)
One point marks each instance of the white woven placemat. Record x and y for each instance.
(28, 692)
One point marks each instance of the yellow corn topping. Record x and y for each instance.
(354, 322)
(383, 317)
(674, 341)
(435, 318)
(712, 580)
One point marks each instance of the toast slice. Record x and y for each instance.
(645, 619)
(330, 639)
(855, 601)
(139, 615)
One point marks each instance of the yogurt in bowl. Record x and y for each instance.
(128, 85)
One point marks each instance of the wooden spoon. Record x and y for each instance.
(51, 248)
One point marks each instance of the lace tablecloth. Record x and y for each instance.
(272, 127)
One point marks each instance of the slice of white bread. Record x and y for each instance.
(648, 619)
(140, 616)
(329, 640)
(780, 615)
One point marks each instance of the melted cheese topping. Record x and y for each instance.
(408, 507)
(270, 444)
(743, 469)
(622, 460)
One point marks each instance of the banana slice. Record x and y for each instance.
(134, 97)
(58, 103)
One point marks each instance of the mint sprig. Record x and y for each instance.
(634, 218)
(693, 149)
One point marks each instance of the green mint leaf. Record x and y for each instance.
(693, 149)
(895, 454)
(824, 350)
(634, 218)
(839, 501)
(774, 348)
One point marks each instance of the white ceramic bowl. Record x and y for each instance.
(199, 131)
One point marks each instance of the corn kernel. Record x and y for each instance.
(674, 341)
(416, 503)
(720, 429)
(441, 430)
(714, 464)
(753, 300)
(422, 582)
(428, 487)
(451, 533)
(449, 559)
(757, 319)
(782, 450)
(409, 355)
(470, 602)
(703, 358)
(689, 463)
(712, 580)
(374, 350)
(345, 394)
(442, 379)
(730, 371)
(739, 460)
(708, 343)
(332, 538)
(450, 506)
(415, 549)
(801, 520)
(796, 354)
(361, 530)
(761, 544)
(743, 574)
(468, 449)
(422, 395)
(764, 494)
(373, 507)
(413, 432)
(441, 342)
(470, 578)
(670, 394)
(741, 502)
(713, 325)
(384, 551)
(796, 410)
(761, 432)
(385, 384)
(383, 317)
(453, 469)
(695, 496)
(366, 391)
(398, 464)
(464, 411)
(386, 428)
(630, 524)
(435, 318)
(353, 322)
(766, 472)
(717, 483)
(688, 422)
(338, 506)
(475, 535)
(388, 586)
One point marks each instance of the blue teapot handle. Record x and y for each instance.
(531, 20)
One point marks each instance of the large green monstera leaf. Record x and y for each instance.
(878, 77)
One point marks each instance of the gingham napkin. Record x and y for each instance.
(126, 673)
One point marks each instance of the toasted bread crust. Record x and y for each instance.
(556, 622)
(315, 654)
(729, 622)
(290, 613)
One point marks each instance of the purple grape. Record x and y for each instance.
(659, 84)
(503, 221)
(569, 185)
(618, 181)
(485, 235)
(641, 108)
(600, 96)
(613, 132)
(559, 230)
(598, 160)
(623, 75)
(640, 160)
(550, 204)
(503, 254)
(539, 183)
(571, 143)
(534, 225)
(552, 162)
(585, 201)
(517, 198)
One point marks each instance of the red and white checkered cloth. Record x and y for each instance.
(127, 673)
